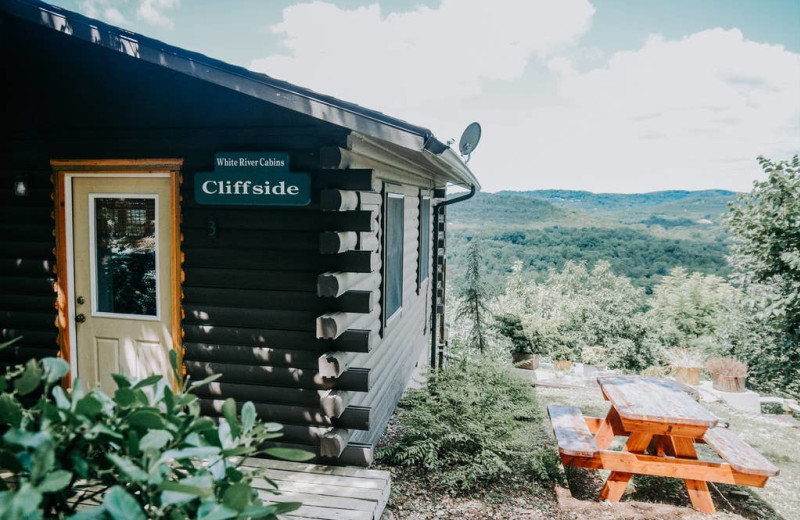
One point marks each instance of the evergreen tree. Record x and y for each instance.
(474, 298)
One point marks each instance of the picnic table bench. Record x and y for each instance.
(662, 424)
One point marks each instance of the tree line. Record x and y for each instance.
(639, 256)
(583, 309)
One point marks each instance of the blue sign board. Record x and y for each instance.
(252, 179)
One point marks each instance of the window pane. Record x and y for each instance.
(125, 255)
(394, 255)
(424, 239)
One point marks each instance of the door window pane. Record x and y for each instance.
(125, 255)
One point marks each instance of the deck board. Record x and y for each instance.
(326, 492)
(345, 471)
(331, 480)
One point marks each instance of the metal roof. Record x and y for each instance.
(358, 119)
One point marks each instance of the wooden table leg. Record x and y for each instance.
(611, 426)
(660, 446)
(618, 480)
(683, 447)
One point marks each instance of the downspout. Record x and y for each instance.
(436, 212)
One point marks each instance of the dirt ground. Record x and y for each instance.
(575, 509)
(412, 501)
(646, 499)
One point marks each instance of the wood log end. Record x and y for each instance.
(331, 157)
(333, 443)
(334, 402)
(327, 327)
(328, 285)
(332, 364)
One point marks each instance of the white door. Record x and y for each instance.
(122, 251)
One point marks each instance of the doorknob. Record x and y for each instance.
(81, 300)
(80, 318)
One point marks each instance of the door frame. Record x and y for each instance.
(64, 170)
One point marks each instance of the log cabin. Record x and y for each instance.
(155, 199)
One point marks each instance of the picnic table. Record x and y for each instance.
(662, 424)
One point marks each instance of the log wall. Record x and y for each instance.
(27, 268)
(256, 294)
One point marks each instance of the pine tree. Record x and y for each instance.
(474, 298)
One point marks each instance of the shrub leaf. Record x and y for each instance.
(121, 505)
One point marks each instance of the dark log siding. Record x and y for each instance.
(403, 346)
(27, 263)
(247, 317)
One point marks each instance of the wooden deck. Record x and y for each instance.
(327, 492)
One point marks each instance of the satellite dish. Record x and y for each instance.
(469, 139)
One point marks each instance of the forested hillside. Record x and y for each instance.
(697, 204)
(642, 236)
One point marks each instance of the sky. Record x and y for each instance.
(603, 95)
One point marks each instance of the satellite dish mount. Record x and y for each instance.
(469, 140)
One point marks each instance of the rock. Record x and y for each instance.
(788, 420)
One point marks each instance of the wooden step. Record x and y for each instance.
(572, 433)
(741, 456)
(326, 492)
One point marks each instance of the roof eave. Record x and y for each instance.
(458, 171)
(240, 79)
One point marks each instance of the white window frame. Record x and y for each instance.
(93, 256)
(69, 236)
(420, 280)
(390, 318)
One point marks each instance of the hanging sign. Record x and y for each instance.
(252, 179)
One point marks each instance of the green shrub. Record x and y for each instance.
(510, 327)
(146, 451)
(772, 409)
(469, 427)
(630, 356)
(562, 352)
(659, 489)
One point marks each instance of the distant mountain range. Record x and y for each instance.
(643, 235)
(708, 204)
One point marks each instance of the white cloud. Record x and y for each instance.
(111, 11)
(104, 10)
(690, 113)
(402, 62)
(152, 12)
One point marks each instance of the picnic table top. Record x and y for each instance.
(644, 400)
